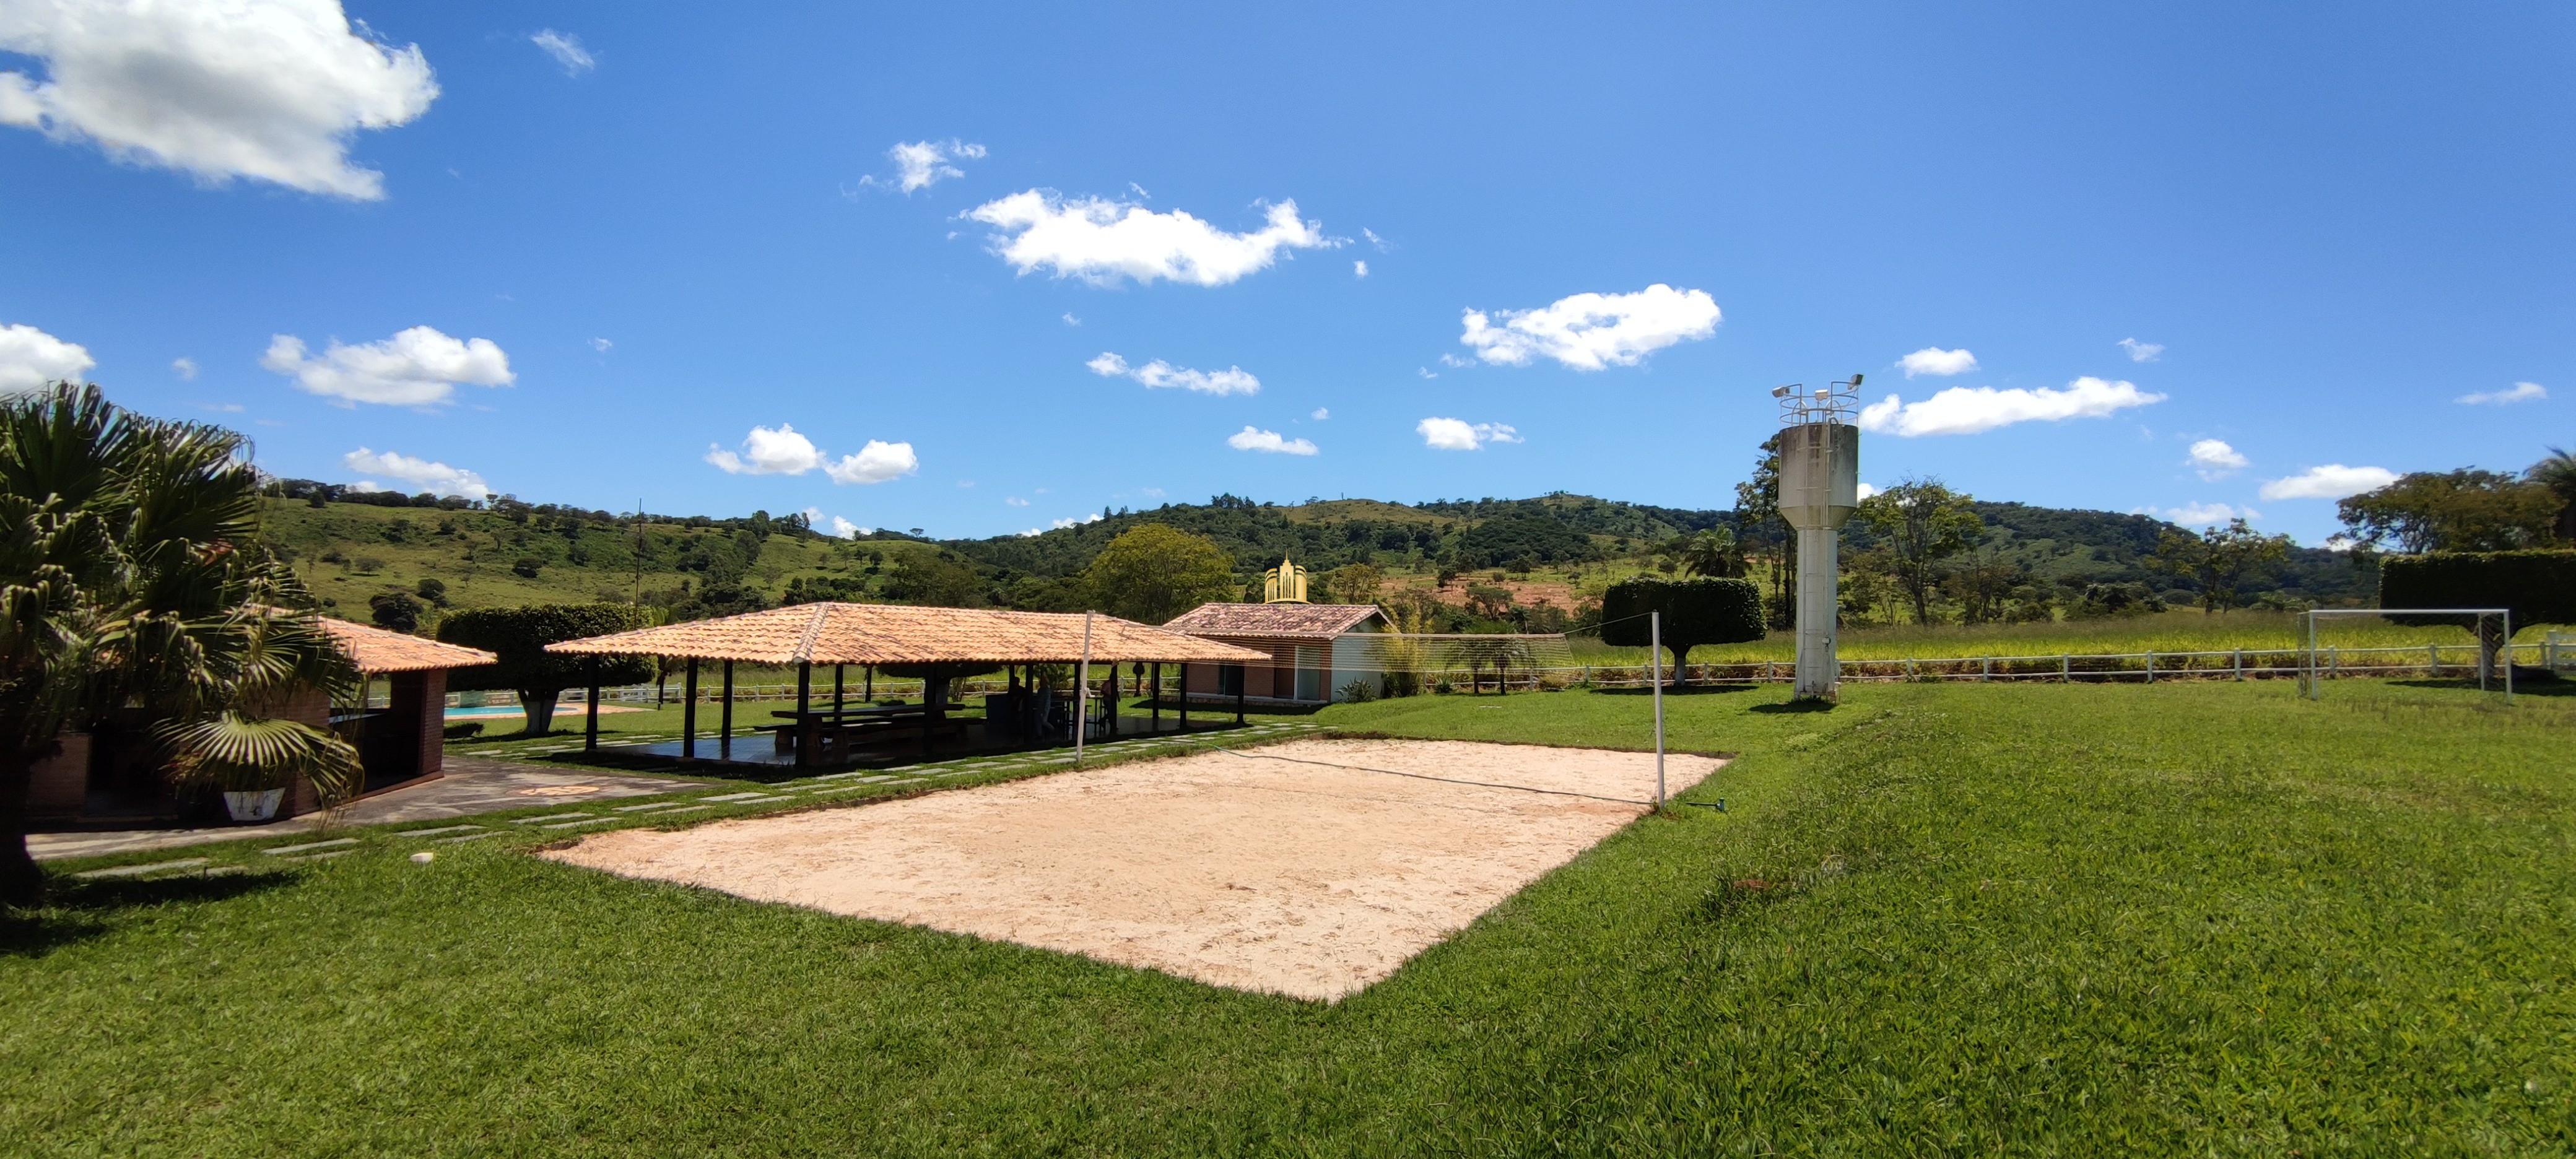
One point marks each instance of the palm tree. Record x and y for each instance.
(131, 574)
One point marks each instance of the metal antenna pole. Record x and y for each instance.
(1082, 692)
(1655, 652)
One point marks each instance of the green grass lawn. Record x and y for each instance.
(2206, 918)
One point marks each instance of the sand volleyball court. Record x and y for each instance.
(1250, 871)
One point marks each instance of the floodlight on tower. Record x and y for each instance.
(1819, 490)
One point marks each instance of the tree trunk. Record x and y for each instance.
(2490, 649)
(1681, 663)
(21, 882)
(539, 704)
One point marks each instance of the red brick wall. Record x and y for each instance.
(60, 786)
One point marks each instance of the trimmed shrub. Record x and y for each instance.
(1695, 612)
(519, 636)
(2539, 586)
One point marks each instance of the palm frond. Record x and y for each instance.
(238, 752)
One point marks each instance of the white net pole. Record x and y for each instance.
(1082, 693)
(1655, 654)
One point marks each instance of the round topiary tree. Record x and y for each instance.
(519, 637)
(1695, 612)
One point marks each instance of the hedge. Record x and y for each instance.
(519, 636)
(1695, 612)
(2538, 586)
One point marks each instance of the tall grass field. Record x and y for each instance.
(2204, 918)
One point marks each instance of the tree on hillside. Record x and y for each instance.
(2463, 510)
(933, 580)
(1154, 572)
(1766, 535)
(395, 611)
(2218, 560)
(1694, 611)
(2558, 473)
(1354, 583)
(1921, 523)
(519, 637)
(131, 577)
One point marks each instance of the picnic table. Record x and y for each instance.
(828, 735)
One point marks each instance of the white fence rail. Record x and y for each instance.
(2432, 660)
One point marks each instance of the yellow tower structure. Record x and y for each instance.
(1284, 584)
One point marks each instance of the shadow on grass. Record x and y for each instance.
(1681, 690)
(75, 911)
(1797, 706)
(2526, 682)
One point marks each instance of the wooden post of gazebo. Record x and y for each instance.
(1157, 710)
(1242, 680)
(1184, 693)
(806, 733)
(590, 711)
(724, 718)
(689, 714)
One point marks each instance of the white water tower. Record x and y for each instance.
(1819, 489)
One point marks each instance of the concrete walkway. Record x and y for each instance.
(470, 785)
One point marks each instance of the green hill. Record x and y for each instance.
(354, 547)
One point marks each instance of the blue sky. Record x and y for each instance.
(2317, 229)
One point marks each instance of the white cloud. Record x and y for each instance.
(1015, 501)
(875, 463)
(567, 50)
(2203, 514)
(1158, 374)
(1100, 241)
(601, 345)
(265, 89)
(185, 368)
(1460, 435)
(2141, 351)
(1321, 414)
(1061, 524)
(1866, 490)
(848, 530)
(1591, 331)
(423, 475)
(417, 367)
(2215, 459)
(1359, 269)
(2332, 481)
(1070, 320)
(30, 358)
(1375, 240)
(1268, 442)
(1963, 410)
(768, 452)
(922, 164)
(2521, 392)
(1937, 362)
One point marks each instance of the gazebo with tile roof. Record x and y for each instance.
(1309, 651)
(939, 643)
(398, 744)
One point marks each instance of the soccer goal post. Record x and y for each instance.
(2311, 677)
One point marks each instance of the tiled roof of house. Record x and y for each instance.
(1281, 621)
(831, 633)
(379, 652)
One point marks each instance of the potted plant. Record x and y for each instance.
(251, 760)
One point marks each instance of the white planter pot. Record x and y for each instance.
(254, 806)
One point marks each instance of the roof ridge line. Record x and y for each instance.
(804, 652)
